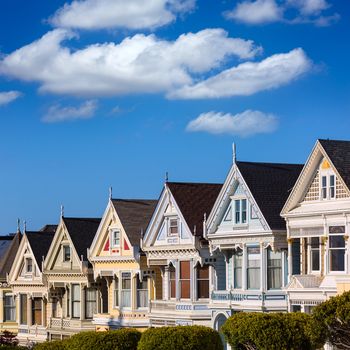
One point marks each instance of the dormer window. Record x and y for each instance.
(29, 265)
(328, 186)
(115, 238)
(66, 253)
(173, 227)
(240, 211)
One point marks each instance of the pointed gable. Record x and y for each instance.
(134, 215)
(8, 248)
(194, 200)
(339, 154)
(270, 185)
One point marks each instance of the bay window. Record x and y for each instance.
(126, 289)
(142, 292)
(253, 268)
(274, 269)
(9, 308)
(185, 280)
(75, 300)
(237, 269)
(203, 282)
(90, 302)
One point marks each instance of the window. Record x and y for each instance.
(54, 307)
(37, 311)
(336, 253)
(203, 282)
(90, 302)
(9, 308)
(142, 292)
(240, 211)
(126, 289)
(328, 187)
(29, 265)
(68, 302)
(116, 291)
(274, 269)
(66, 253)
(173, 227)
(185, 280)
(172, 279)
(315, 253)
(75, 300)
(115, 238)
(253, 269)
(237, 269)
(23, 305)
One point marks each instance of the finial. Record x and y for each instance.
(24, 226)
(205, 217)
(233, 152)
(141, 232)
(62, 211)
(194, 229)
(110, 192)
(18, 225)
(166, 176)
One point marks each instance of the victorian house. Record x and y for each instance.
(8, 247)
(119, 264)
(175, 246)
(317, 215)
(245, 226)
(73, 296)
(29, 285)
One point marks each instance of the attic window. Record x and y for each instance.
(240, 211)
(115, 238)
(29, 265)
(66, 253)
(173, 227)
(328, 186)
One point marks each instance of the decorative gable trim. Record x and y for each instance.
(305, 178)
(224, 197)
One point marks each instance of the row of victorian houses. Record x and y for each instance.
(273, 237)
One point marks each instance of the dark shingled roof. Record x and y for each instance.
(194, 200)
(270, 185)
(49, 228)
(8, 249)
(339, 153)
(134, 214)
(82, 232)
(40, 242)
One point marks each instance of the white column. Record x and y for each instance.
(193, 281)
(165, 283)
(177, 274)
(262, 267)
(1, 311)
(290, 258)
(82, 301)
(244, 267)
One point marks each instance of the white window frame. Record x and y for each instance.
(26, 266)
(113, 239)
(240, 200)
(170, 219)
(64, 246)
(310, 250)
(327, 174)
(342, 272)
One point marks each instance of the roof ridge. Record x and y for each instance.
(133, 199)
(193, 183)
(333, 140)
(268, 163)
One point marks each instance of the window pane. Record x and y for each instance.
(331, 180)
(172, 276)
(238, 259)
(203, 281)
(185, 275)
(237, 211)
(274, 270)
(203, 272)
(336, 242)
(116, 292)
(337, 260)
(23, 301)
(253, 270)
(185, 270)
(91, 305)
(315, 242)
(36, 311)
(315, 260)
(244, 211)
(324, 181)
(126, 280)
(185, 289)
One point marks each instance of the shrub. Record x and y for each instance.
(331, 321)
(122, 339)
(180, 337)
(8, 338)
(53, 345)
(274, 331)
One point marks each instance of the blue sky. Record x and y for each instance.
(97, 93)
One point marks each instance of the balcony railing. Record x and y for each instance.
(240, 296)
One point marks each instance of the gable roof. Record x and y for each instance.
(270, 185)
(40, 242)
(8, 249)
(194, 200)
(82, 232)
(134, 214)
(339, 154)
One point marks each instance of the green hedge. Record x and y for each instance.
(180, 338)
(122, 339)
(273, 331)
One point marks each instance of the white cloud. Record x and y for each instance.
(131, 14)
(243, 124)
(138, 64)
(268, 11)
(249, 77)
(256, 12)
(57, 113)
(8, 97)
